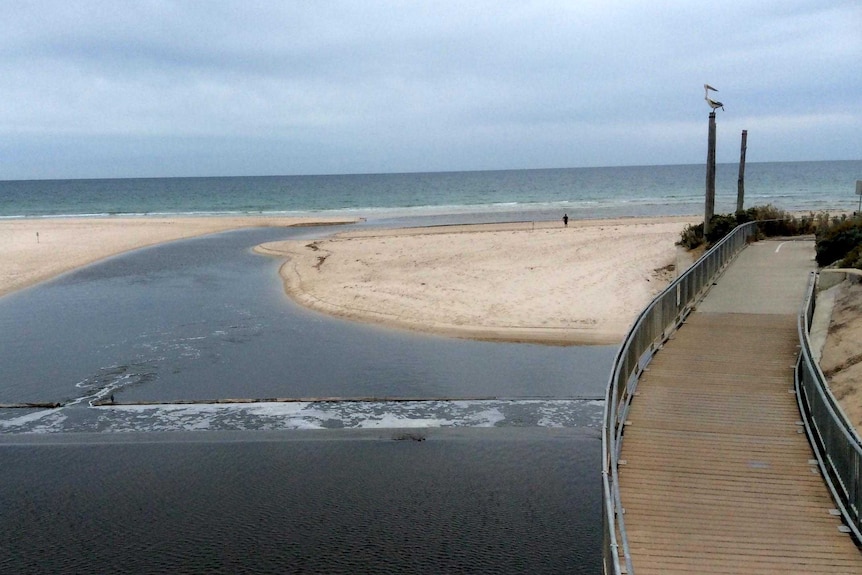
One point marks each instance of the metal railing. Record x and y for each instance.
(648, 332)
(836, 444)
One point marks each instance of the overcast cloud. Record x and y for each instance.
(161, 88)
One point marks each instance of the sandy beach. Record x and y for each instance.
(531, 282)
(34, 250)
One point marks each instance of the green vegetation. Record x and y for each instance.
(841, 242)
(853, 259)
(721, 224)
(838, 238)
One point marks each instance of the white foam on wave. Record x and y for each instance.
(27, 419)
(392, 421)
(486, 418)
(266, 415)
(356, 415)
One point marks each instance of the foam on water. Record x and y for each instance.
(275, 415)
(28, 420)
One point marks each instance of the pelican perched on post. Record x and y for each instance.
(712, 103)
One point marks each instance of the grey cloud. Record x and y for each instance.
(361, 86)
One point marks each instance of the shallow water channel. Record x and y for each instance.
(497, 469)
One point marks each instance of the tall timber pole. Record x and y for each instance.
(709, 209)
(740, 182)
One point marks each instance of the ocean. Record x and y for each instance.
(500, 195)
(493, 465)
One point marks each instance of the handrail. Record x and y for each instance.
(652, 327)
(835, 442)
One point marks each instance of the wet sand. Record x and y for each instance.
(34, 250)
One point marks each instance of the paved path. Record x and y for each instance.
(718, 474)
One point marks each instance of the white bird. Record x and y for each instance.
(712, 103)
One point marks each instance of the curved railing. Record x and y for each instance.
(648, 332)
(836, 444)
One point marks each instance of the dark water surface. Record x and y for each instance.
(462, 501)
(488, 486)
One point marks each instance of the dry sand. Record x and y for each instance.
(841, 360)
(536, 282)
(33, 250)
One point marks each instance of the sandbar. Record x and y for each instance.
(539, 282)
(33, 250)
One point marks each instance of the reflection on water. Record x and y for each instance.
(467, 501)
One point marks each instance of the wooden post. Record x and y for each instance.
(740, 183)
(710, 176)
(859, 193)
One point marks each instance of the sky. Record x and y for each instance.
(210, 88)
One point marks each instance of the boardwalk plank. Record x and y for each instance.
(715, 476)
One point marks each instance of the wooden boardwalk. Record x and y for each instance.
(718, 476)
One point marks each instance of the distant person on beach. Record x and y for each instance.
(566, 220)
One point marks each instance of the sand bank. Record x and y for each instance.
(33, 250)
(533, 282)
(841, 360)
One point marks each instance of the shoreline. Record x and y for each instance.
(527, 282)
(33, 250)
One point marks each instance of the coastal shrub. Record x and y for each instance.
(775, 222)
(853, 259)
(838, 240)
(691, 236)
(720, 226)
